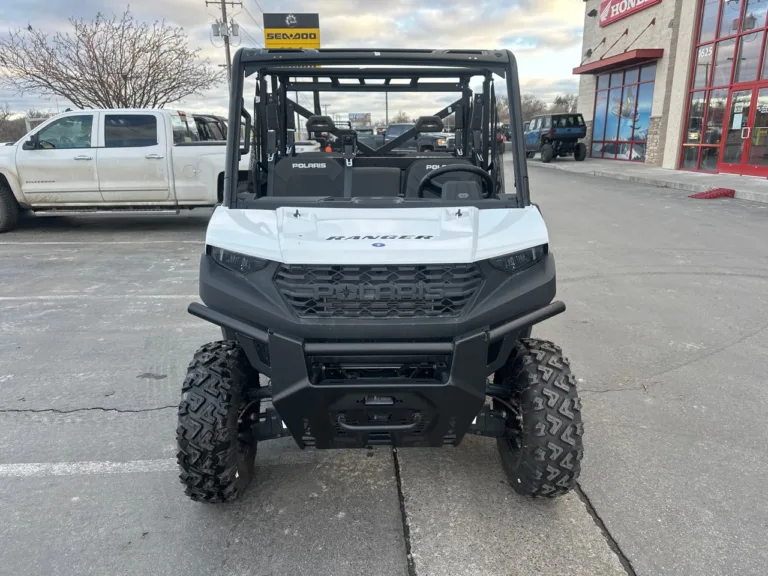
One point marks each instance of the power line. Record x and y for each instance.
(259, 6)
(244, 31)
(226, 31)
(252, 18)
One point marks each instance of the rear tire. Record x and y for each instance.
(580, 152)
(9, 209)
(216, 461)
(542, 451)
(547, 153)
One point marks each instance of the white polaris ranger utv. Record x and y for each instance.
(388, 297)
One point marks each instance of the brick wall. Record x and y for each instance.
(655, 147)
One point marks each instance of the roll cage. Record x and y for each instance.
(279, 73)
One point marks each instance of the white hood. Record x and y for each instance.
(376, 236)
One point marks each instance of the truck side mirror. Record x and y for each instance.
(30, 144)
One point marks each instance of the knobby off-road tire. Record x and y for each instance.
(542, 454)
(216, 465)
(547, 153)
(9, 208)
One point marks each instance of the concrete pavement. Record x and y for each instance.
(94, 343)
(665, 326)
(745, 187)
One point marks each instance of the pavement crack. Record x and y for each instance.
(91, 409)
(404, 515)
(612, 544)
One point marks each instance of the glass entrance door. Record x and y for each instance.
(736, 132)
(745, 146)
(757, 155)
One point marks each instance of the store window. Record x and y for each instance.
(623, 113)
(730, 60)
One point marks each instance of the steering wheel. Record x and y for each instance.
(426, 182)
(66, 142)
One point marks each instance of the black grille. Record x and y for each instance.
(403, 291)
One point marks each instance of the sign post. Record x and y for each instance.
(292, 30)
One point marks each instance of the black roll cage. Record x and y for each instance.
(476, 117)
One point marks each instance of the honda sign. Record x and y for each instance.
(613, 10)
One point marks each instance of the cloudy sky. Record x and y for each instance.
(545, 35)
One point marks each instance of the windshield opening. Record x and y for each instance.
(373, 136)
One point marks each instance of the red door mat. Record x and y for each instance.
(714, 193)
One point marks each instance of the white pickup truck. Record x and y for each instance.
(110, 160)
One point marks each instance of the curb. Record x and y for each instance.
(660, 183)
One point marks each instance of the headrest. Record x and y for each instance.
(429, 124)
(320, 124)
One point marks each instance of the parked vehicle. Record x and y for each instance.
(386, 298)
(556, 135)
(433, 142)
(302, 146)
(211, 127)
(111, 160)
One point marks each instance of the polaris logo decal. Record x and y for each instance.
(308, 165)
(435, 166)
(406, 237)
(371, 292)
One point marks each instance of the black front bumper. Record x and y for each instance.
(375, 406)
(357, 413)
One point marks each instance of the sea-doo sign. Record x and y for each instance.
(613, 10)
(291, 30)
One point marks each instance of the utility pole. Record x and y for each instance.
(225, 31)
(386, 104)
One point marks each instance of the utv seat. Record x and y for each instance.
(376, 182)
(308, 176)
(420, 168)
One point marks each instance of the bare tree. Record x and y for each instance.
(532, 106)
(565, 103)
(112, 62)
(502, 108)
(401, 118)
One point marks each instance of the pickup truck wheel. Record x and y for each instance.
(580, 152)
(9, 208)
(426, 149)
(547, 153)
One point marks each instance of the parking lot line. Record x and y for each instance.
(97, 297)
(40, 469)
(100, 242)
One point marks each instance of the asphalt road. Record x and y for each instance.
(666, 326)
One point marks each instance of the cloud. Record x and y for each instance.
(544, 34)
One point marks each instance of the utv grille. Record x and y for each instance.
(403, 291)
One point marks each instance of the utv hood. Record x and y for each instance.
(432, 235)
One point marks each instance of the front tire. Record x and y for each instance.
(542, 451)
(9, 209)
(216, 456)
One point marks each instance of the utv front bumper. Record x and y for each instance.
(405, 382)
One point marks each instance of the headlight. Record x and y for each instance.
(441, 142)
(518, 261)
(235, 261)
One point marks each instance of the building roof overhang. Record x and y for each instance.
(629, 58)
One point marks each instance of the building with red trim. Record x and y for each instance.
(677, 83)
